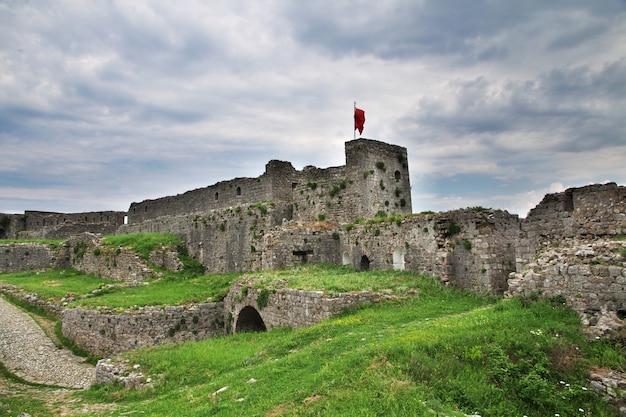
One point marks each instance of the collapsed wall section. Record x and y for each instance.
(585, 212)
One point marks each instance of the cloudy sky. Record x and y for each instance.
(103, 103)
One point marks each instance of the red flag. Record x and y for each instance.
(359, 119)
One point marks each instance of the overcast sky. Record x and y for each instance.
(103, 103)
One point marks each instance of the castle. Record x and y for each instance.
(360, 214)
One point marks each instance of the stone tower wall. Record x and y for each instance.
(375, 178)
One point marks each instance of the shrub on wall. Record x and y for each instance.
(263, 298)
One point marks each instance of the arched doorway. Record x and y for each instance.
(249, 320)
(365, 263)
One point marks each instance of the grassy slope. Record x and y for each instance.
(445, 352)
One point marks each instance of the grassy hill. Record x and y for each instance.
(442, 352)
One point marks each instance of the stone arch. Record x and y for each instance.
(365, 263)
(397, 175)
(249, 320)
(398, 258)
(238, 190)
(345, 259)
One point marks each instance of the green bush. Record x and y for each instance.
(263, 298)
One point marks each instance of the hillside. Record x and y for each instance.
(440, 352)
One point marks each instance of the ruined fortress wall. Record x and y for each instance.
(286, 307)
(66, 230)
(467, 248)
(567, 248)
(589, 275)
(292, 246)
(585, 212)
(108, 332)
(322, 194)
(16, 257)
(273, 185)
(11, 224)
(50, 225)
(35, 220)
(375, 178)
(223, 240)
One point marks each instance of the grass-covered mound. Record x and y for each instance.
(445, 352)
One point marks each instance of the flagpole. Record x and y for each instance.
(354, 113)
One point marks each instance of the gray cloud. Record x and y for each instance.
(105, 104)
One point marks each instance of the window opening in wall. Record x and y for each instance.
(238, 190)
(216, 196)
(303, 254)
(249, 320)
(398, 176)
(365, 263)
(398, 259)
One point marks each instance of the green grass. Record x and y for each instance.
(167, 291)
(143, 243)
(55, 284)
(14, 406)
(335, 278)
(445, 352)
(440, 352)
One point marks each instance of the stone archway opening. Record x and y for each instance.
(249, 320)
(365, 263)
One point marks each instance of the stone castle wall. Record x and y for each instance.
(590, 276)
(10, 225)
(223, 240)
(375, 178)
(585, 212)
(108, 332)
(571, 246)
(286, 307)
(237, 192)
(17, 257)
(58, 226)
